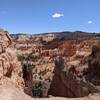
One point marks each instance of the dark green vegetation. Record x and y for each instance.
(37, 90)
(97, 35)
(27, 66)
(28, 58)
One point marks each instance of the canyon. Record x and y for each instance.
(51, 66)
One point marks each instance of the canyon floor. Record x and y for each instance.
(54, 66)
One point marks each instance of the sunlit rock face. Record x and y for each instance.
(5, 39)
(10, 68)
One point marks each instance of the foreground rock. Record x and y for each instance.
(8, 92)
(10, 68)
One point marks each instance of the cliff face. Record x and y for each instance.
(5, 40)
(10, 68)
(94, 66)
(80, 76)
(66, 83)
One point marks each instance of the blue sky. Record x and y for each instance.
(38, 16)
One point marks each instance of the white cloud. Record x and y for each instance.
(57, 15)
(90, 22)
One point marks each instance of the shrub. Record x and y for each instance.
(97, 35)
(21, 58)
(37, 90)
(27, 58)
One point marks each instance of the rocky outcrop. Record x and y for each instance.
(10, 68)
(66, 84)
(8, 92)
(94, 66)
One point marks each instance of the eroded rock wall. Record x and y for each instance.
(10, 68)
(93, 74)
(66, 83)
